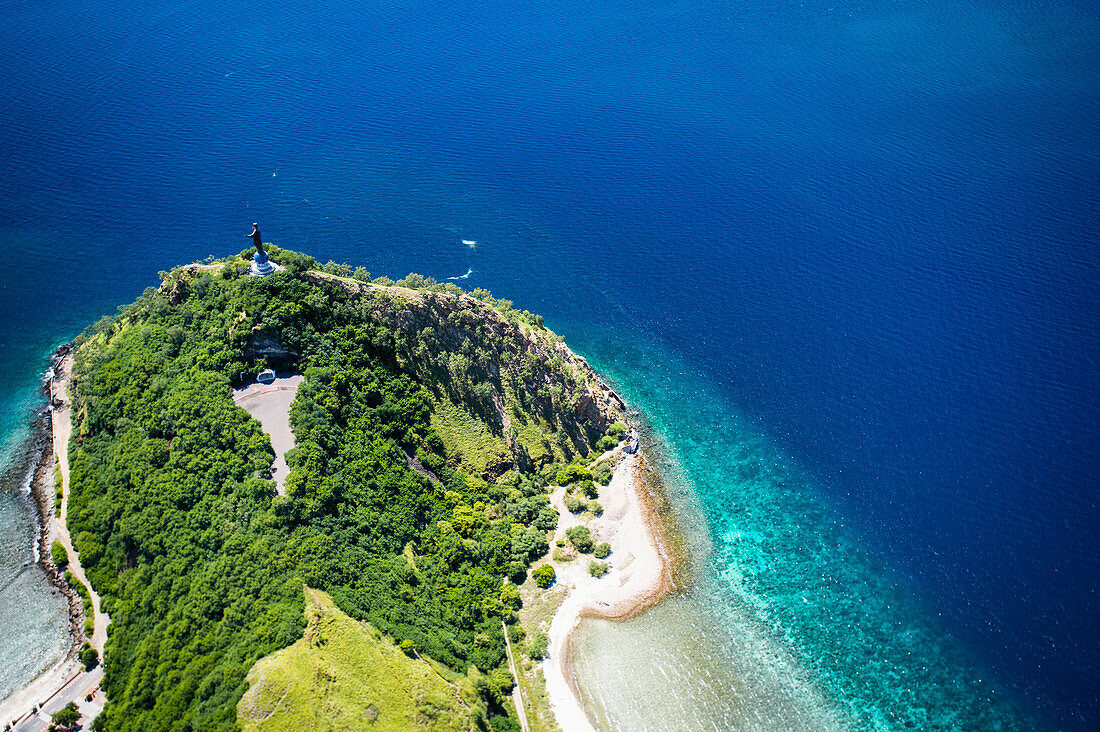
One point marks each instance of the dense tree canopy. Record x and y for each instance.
(416, 486)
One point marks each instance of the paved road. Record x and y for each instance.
(78, 687)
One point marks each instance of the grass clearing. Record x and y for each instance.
(468, 438)
(345, 675)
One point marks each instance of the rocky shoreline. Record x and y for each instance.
(42, 488)
(39, 464)
(66, 680)
(36, 462)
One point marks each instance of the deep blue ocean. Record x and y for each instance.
(844, 251)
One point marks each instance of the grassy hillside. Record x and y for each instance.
(345, 675)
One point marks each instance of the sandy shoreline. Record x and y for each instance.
(640, 576)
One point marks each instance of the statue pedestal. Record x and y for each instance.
(262, 267)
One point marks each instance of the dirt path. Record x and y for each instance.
(517, 692)
(62, 430)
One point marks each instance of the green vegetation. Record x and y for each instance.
(602, 550)
(617, 431)
(598, 569)
(575, 505)
(59, 555)
(602, 471)
(89, 656)
(544, 576)
(595, 508)
(605, 443)
(581, 538)
(67, 716)
(573, 473)
(58, 490)
(345, 675)
(536, 651)
(201, 565)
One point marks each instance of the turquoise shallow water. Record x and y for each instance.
(35, 616)
(788, 623)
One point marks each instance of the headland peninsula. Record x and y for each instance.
(396, 526)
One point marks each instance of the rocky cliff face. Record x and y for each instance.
(500, 364)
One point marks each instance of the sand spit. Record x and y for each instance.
(640, 576)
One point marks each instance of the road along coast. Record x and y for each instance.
(67, 680)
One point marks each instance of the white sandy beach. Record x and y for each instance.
(640, 575)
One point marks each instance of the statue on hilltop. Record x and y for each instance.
(258, 241)
(261, 265)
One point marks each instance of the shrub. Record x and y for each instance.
(85, 600)
(602, 550)
(617, 430)
(531, 544)
(89, 657)
(598, 569)
(412, 280)
(338, 269)
(560, 556)
(547, 518)
(67, 716)
(576, 505)
(601, 472)
(544, 576)
(293, 261)
(595, 508)
(407, 647)
(572, 473)
(517, 572)
(537, 650)
(509, 596)
(605, 443)
(581, 538)
(58, 490)
(501, 723)
(59, 556)
(589, 489)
